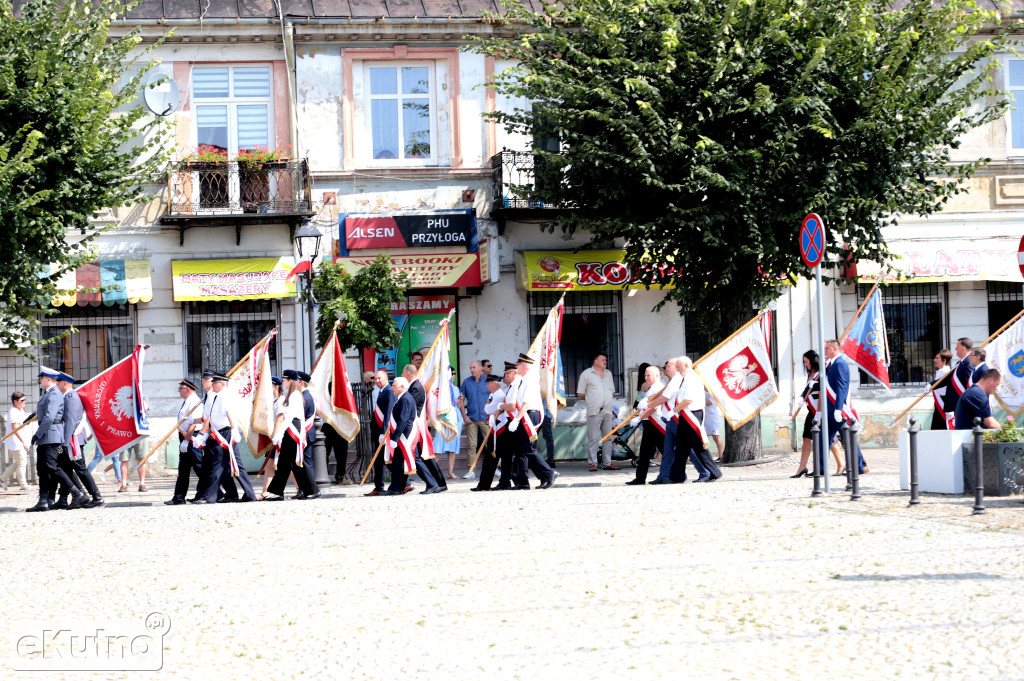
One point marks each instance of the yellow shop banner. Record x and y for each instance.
(571, 271)
(237, 279)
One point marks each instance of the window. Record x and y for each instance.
(592, 323)
(913, 325)
(232, 106)
(104, 336)
(1015, 85)
(218, 334)
(1005, 300)
(401, 113)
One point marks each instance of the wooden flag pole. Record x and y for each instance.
(860, 309)
(629, 418)
(478, 452)
(932, 386)
(24, 423)
(369, 466)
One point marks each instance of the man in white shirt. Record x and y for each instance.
(221, 446)
(597, 387)
(523, 404)
(497, 445)
(692, 440)
(663, 406)
(190, 420)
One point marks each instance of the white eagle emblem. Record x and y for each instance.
(123, 404)
(740, 377)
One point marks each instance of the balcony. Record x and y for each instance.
(515, 178)
(231, 193)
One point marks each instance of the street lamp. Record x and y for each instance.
(307, 238)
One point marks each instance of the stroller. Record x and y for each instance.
(622, 440)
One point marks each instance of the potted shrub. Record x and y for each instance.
(1003, 459)
(211, 164)
(254, 164)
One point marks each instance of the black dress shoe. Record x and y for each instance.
(519, 487)
(438, 490)
(95, 503)
(198, 501)
(300, 495)
(713, 478)
(227, 500)
(273, 497)
(637, 482)
(659, 481)
(392, 493)
(430, 490)
(174, 502)
(60, 505)
(41, 506)
(801, 473)
(78, 498)
(479, 489)
(315, 495)
(550, 481)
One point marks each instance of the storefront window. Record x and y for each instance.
(592, 323)
(1004, 301)
(914, 326)
(105, 335)
(219, 333)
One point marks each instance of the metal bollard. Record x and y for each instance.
(912, 435)
(855, 468)
(979, 472)
(815, 452)
(846, 454)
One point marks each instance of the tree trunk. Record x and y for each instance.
(743, 444)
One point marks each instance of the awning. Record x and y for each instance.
(574, 271)
(236, 279)
(116, 282)
(429, 270)
(926, 261)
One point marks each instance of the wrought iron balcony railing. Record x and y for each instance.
(233, 189)
(517, 178)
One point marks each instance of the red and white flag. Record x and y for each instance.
(547, 369)
(242, 387)
(738, 373)
(439, 409)
(300, 267)
(332, 391)
(262, 409)
(113, 403)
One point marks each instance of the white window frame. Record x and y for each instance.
(364, 142)
(232, 102)
(1018, 103)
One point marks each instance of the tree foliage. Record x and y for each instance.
(700, 132)
(363, 300)
(70, 144)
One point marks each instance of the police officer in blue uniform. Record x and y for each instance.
(49, 439)
(73, 459)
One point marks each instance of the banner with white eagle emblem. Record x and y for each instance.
(738, 374)
(1006, 353)
(115, 406)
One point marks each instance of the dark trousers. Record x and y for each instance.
(651, 440)
(285, 464)
(399, 479)
(308, 469)
(191, 460)
(334, 442)
(426, 472)
(528, 457)
(668, 471)
(490, 460)
(690, 446)
(212, 471)
(835, 432)
(49, 472)
(64, 462)
(938, 423)
(85, 477)
(378, 471)
(549, 442)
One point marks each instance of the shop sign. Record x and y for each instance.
(430, 270)
(948, 260)
(571, 271)
(408, 230)
(418, 319)
(237, 279)
(485, 261)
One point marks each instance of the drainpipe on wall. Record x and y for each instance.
(288, 39)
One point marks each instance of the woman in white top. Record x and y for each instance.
(19, 444)
(291, 416)
(941, 361)
(268, 464)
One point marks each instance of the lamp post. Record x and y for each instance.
(307, 238)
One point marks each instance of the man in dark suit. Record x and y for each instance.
(49, 439)
(427, 469)
(378, 424)
(837, 374)
(399, 432)
(978, 364)
(961, 380)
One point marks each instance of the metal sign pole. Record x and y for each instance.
(823, 379)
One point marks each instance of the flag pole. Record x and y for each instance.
(932, 386)
(478, 452)
(731, 336)
(860, 309)
(630, 417)
(369, 466)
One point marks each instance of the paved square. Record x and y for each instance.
(740, 579)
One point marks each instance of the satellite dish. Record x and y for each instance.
(161, 98)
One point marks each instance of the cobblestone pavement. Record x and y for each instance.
(744, 578)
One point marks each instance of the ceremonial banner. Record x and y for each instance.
(242, 387)
(738, 374)
(262, 408)
(239, 279)
(115, 406)
(545, 352)
(332, 391)
(1006, 353)
(866, 343)
(433, 374)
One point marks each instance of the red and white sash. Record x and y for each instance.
(957, 383)
(657, 422)
(228, 447)
(812, 404)
(696, 425)
(300, 443)
(76, 449)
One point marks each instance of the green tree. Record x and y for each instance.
(363, 300)
(700, 132)
(68, 148)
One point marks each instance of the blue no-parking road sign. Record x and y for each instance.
(812, 240)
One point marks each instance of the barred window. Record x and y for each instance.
(592, 324)
(219, 333)
(103, 336)
(699, 341)
(914, 328)
(1005, 300)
